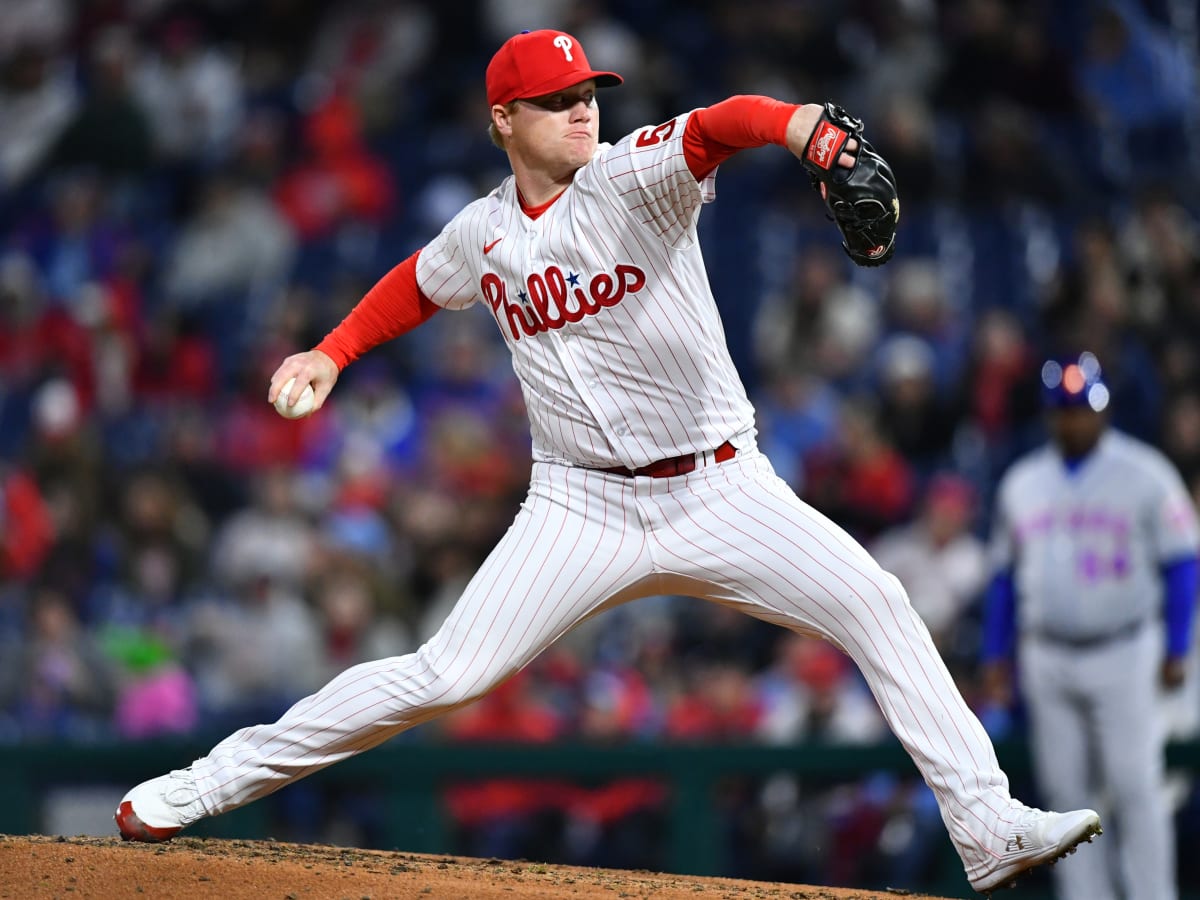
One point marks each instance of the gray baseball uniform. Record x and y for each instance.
(1085, 546)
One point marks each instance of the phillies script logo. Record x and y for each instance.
(551, 299)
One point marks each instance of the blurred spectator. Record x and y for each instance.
(711, 633)
(1089, 304)
(156, 511)
(938, 559)
(376, 412)
(191, 92)
(797, 415)
(718, 704)
(1090, 293)
(78, 242)
(823, 322)
(998, 51)
(1004, 137)
(368, 51)
(1181, 434)
(176, 360)
(156, 694)
(254, 652)
(109, 130)
(260, 151)
(917, 301)
(338, 179)
(37, 99)
(55, 682)
(904, 60)
(914, 413)
(1000, 393)
(466, 443)
(353, 629)
(271, 537)
(1158, 251)
(907, 137)
(860, 480)
(65, 457)
(235, 247)
(616, 704)
(1140, 88)
(37, 22)
(812, 693)
(26, 528)
(109, 317)
(22, 335)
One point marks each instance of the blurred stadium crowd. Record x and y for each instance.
(191, 191)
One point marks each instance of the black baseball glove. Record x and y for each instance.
(862, 200)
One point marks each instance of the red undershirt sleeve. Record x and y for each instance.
(393, 306)
(717, 132)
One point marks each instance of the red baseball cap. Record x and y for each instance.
(534, 63)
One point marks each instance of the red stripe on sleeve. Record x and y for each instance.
(393, 306)
(716, 133)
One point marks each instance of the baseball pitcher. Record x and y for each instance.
(646, 476)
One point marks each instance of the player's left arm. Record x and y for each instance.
(1176, 534)
(1180, 580)
(856, 183)
(717, 132)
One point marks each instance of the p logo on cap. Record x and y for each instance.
(534, 63)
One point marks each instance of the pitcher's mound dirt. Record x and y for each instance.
(40, 866)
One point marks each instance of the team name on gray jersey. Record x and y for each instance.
(1085, 545)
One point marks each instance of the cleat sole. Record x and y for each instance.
(1086, 837)
(134, 829)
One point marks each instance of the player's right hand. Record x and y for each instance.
(310, 367)
(1174, 672)
(998, 684)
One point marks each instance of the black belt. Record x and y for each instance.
(1085, 643)
(676, 465)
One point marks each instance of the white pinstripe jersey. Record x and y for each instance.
(1086, 546)
(605, 305)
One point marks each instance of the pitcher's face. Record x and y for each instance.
(556, 133)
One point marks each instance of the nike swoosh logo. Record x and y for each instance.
(487, 248)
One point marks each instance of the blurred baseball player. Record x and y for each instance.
(646, 477)
(1095, 544)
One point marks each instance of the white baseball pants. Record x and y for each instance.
(584, 541)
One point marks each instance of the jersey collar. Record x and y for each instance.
(534, 211)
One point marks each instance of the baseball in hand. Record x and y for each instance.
(301, 408)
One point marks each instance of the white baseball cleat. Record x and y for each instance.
(158, 809)
(1038, 837)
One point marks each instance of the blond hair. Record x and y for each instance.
(494, 132)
